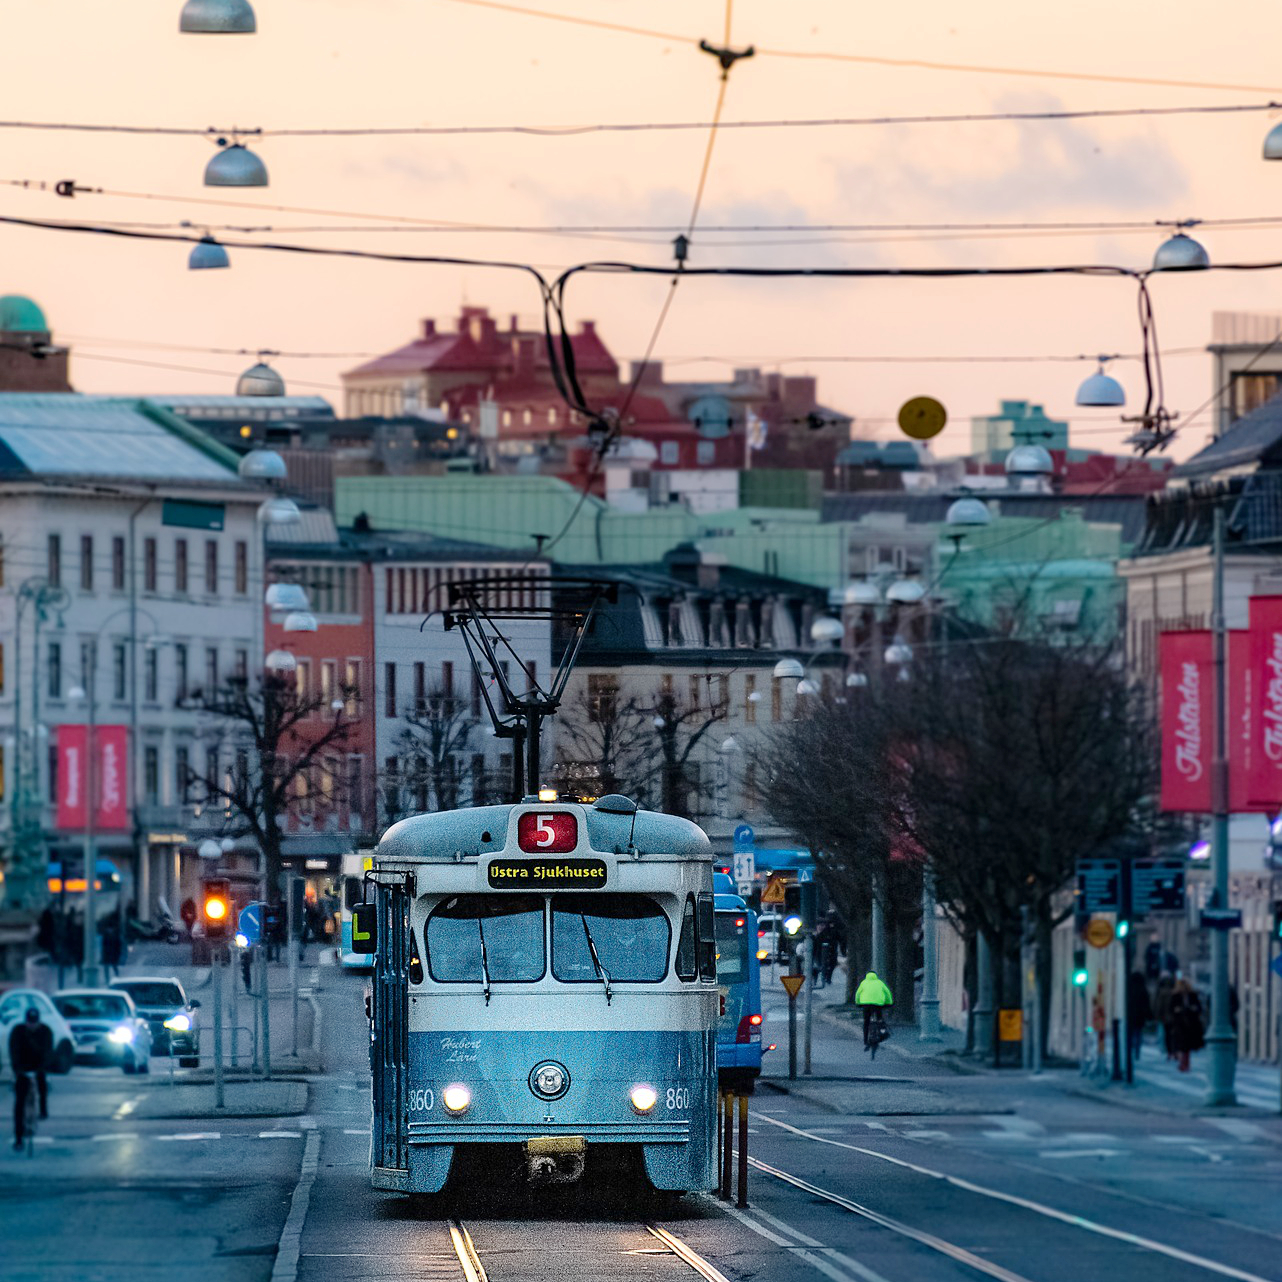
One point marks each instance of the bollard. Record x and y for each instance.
(727, 1147)
(742, 1201)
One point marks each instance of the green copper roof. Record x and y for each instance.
(19, 315)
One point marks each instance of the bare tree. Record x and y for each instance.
(434, 744)
(267, 758)
(601, 743)
(671, 738)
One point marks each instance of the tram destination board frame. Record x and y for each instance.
(547, 874)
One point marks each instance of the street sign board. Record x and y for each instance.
(1010, 1025)
(745, 871)
(793, 984)
(1157, 886)
(1276, 965)
(744, 837)
(1099, 886)
(1221, 918)
(805, 876)
(1099, 934)
(250, 922)
(773, 893)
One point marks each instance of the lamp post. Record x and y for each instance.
(85, 694)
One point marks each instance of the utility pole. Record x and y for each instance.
(929, 1017)
(89, 975)
(1220, 1040)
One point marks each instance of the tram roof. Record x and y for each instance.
(482, 830)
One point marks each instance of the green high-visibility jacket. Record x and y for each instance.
(872, 992)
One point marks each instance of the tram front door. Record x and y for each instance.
(390, 1047)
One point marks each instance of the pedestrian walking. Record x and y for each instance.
(1139, 1011)
(30, 1050)
(112, 948)
(1162, 1011)
(1187, 1031)
(875, 998)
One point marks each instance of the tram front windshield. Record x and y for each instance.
(629, 932)
(472, 936)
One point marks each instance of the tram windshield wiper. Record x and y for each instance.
(485, 960)
(596, 960)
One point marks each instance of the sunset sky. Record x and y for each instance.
(347, 63)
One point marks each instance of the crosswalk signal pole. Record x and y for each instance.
(217, 976)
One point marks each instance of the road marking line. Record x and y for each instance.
(285, 1268)
(949, 1249)
(115, 1135)
(465, 1249)
(815, 1261)
(1242, 1131)
(1082, 1152)
(356, 1130)
(685, 1254)
(280, 1135)
(1077, 1221)
(194, 1135)
(128, 1107)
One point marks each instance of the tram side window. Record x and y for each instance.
(509, 926)
(706, 931)
(687, 955)
(630, 933)
(353, 892)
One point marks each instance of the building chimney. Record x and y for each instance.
(429, 328)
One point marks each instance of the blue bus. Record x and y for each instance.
(739, 978)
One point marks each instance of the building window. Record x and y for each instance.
(151, 674)
(603, 697)
(149, 565)
(705, 453)
(55, 670)
(119, 669)
(420, 688)
(211, 567)
(694, 691)
(180, 565)
(242, 568)
(776, 700)
(303, 680)
(211, 669)
(392, 786)
(242, 665)
(151, 774)
(749, 703)
(354, 789)
(329, 680)
(54, 571)
(750, 794)
(389, 689)
(117, 564)
(352, 679)
(180, 672)
(182, 775)
(669, 453)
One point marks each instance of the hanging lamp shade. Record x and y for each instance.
(1101, 390)
(1029, 460)
(300, 621)
(287, 596)
(280, 661)
(789, 670)
(1273, 143)
(279, 511)
(862, 593)
(967, 512)
(207, 254)
(218, 18)
(260, 380)
(905, 592)
(261, 465)
(806, 686)
(825, 630)
(1181, 253)
(235, 166)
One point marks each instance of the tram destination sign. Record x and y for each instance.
(547, 874)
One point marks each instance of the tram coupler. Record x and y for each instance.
(555, 1159)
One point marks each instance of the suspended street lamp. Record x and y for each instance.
(788, 670)
(279, 511)
(218, 18)
(261, 465)
(1273, 143)
(280, 661)
(825, 630)
(300, 621)
(905, 592)
(1181, 253)
(967, 512)
(207, 254)
(807, 686)
(260, 380)
(1100, 390)
(286, 596)
(1029, 461)
(235, 166)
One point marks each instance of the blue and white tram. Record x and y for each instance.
(545, 977)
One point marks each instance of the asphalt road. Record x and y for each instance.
(892, 1170)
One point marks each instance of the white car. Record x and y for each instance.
(107, 1027)
(13, 1010)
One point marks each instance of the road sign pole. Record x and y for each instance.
(235, 1016)
(792, 1038)
(216, 975)
(809, 972)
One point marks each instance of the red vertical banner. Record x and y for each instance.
(111, 791)
(1187, 727)
(1264, 785)
(1241, 729)
(72, 777)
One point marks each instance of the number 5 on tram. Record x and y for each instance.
(545, 985)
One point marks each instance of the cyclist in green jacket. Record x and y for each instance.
(875, 998)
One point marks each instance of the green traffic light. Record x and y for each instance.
(1081, 978)
(1123, 929)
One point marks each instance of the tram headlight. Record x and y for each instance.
(457, 1099)
(643, 1098)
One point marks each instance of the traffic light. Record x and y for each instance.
(1277, 919)
(793, 920)
(1081, 975)
(1123, 928)
(215, 907)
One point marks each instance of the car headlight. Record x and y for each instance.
(643, 1098)
(122, 1035)
(457, 1099)
(762, 954)
(179, 1023)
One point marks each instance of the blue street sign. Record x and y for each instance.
(250, 922)
(1276, 965)
(1221, 918)
(743, 837)
(805, 875)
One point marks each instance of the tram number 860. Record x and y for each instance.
(678, 1097)
(421, 1100)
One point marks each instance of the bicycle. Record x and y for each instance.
(30, 1111)
(877, 1033)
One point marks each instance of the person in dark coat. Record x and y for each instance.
(113, 947)
(1187, 1030)
(1162, 1011)
(1139, 1011)
(30, 1050)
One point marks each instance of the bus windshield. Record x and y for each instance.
(472, 937)
(732, 947)
(630, 932)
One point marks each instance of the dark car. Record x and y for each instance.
(170, 1014)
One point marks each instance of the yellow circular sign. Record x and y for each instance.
(1099, 934)
(922, 417)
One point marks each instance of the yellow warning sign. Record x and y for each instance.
(773, 893)
(793, 984)
(1099, 934)
(1010, 1025)
(922, 417)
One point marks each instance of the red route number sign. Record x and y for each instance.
(547, 832)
